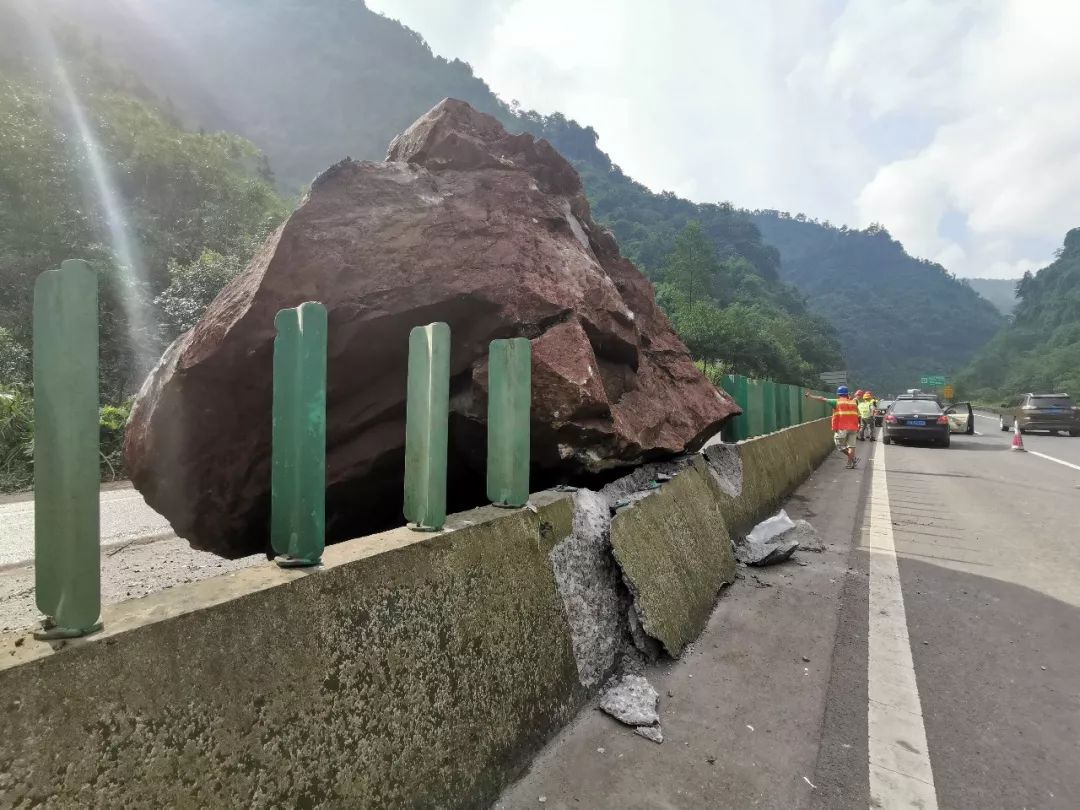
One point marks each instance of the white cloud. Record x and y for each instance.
(920, 114)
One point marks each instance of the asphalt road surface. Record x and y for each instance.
(140, 554)
(930, 657)
(124, 517)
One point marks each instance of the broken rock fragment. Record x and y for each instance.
(632, 701)
(773, 540)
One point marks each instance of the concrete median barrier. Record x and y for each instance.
(410, 670)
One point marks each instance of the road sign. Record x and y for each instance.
(834, 377)
(932, 380)
(947, 392)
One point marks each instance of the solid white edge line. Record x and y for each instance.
(1055, 460)
(1041, 455)
(899, 760)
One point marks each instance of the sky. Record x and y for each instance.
(952, 122)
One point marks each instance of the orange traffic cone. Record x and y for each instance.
(1018, 440)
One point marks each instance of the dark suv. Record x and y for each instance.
(1052, 412)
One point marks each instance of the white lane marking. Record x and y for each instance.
(1041, 455)
(899, 761)
(1051, 458)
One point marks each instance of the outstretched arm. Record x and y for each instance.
(808, 395)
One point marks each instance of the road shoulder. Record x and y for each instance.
(743, 710)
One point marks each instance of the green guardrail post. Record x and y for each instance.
(298, 456)
(427, 412)
(67, 520)
(509, 402)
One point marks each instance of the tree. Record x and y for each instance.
(693, 263)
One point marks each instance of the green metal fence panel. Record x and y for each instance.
(755, 405)
(298, 456)
(737, 428)
(509, 403)
(426, 415)
(783, 406)
(67, 546)
(768, 389)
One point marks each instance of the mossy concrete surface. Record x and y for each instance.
(410, 670)
(674, 547)
(772, 467)
(422, 676)
(675, 554)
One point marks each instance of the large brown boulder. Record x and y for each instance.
(463, 223)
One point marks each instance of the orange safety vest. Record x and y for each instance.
(845, 415)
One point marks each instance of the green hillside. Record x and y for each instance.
(898, 317)
(1040, 350)
(1001, 292)
(194, 207)
(310, 83)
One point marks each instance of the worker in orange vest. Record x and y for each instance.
(845, 422)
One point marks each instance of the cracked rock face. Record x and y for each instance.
(463, 223)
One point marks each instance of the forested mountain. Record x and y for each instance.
(898, 317)
(311, 82)
(1001, 292)
(192, 209)
(1040, 350)
(308, 81)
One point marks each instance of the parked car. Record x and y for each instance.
(1051, 412)
(923, 419)
(879, 411)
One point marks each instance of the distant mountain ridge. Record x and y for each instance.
(1001, 292)
(310, 82)
(898, 317)
(1040, 350)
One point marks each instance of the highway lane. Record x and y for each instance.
(125, 516)
(989, 571)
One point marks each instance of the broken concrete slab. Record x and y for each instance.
(775, 539)
(675, 553)
(633, 701)
(766, 553)
(594, 598)
(725, 462)
(807, 537)
(654, 733)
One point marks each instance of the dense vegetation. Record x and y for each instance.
(898, 317)
(1001, 292)
(192, 203)
(1040, 350)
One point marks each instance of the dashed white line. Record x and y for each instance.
(899, 762)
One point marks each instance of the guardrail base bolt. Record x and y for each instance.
(418, 527)
(285, 561)
(50, 632)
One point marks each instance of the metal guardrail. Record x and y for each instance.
(67, 536)
(768, 406)
(66, 503)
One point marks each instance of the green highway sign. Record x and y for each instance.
(933, 380)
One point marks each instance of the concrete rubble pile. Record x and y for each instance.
(464, 223)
